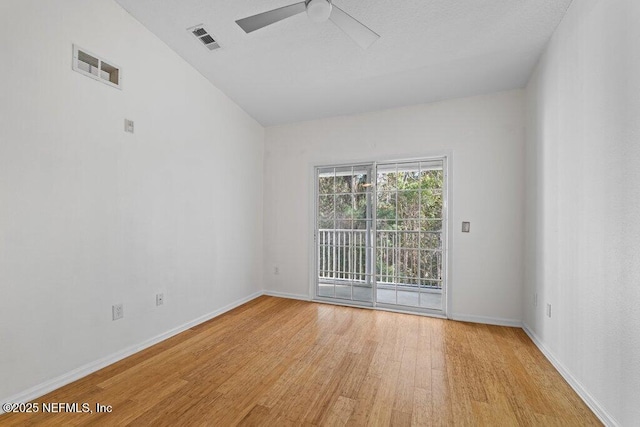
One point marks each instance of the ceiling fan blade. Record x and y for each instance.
(261, 20)
(360, 33)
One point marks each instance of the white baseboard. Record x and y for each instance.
(287, 295)
(592, 403)
(64, 379)
(486, 320)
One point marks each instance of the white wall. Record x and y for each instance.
(583, 181)
(485, 135)
(91, 216)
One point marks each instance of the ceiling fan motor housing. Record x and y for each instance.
(319, 10)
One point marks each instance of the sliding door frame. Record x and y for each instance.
(447, 159)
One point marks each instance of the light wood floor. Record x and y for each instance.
(279, 362)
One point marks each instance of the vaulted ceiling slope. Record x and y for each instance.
(298, 70)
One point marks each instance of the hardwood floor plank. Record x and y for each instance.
(403, 401)
(399, 418)
(255, 417)
(422, 414)
(284, 362)
(424, 360)
(441, 398)
(364, 401)
(353, 380)
(329, 392)
(340, 412)
(382, 409)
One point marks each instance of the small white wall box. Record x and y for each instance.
(97, 68)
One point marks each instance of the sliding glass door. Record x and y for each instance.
(381, 234)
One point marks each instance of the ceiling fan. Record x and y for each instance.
(318, 11)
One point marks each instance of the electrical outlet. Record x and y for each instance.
(159, 299)
(276, 270)
(117, 311)
(548, 310)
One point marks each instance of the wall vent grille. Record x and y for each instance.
(95, 67)
(200, 33)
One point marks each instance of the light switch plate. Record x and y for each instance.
(128, 125)
(117, 311)
(466, 227)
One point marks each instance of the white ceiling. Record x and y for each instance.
(298, 70)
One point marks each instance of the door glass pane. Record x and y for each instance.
(344, 206)
(409, 235)
(343, 234)
(326, 181)
(386, 205)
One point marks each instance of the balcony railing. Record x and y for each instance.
(412, 259)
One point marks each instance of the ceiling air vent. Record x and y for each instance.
(204, 37)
